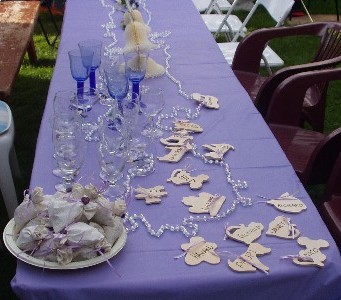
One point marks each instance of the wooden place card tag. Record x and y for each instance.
(198, 250)
(283, 228)
(176, 140)
(150, 195)
(248, 261)
(245, 234)
(181, 125)
(176, 153)
(208, 101)
(204, 203)
(181, 176)
(217, 151)
(312, 251)
(288, 203)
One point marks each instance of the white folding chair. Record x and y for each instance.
(8, 159)
(278, 10)
(224, 23)
(208, 6)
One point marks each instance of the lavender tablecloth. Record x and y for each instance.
(146, 264)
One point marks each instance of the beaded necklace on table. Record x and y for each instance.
(189, 226)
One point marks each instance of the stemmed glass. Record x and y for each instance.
(64, 109)
(111, 154)
(151, 104)
(136, 67)
(94, 46)
(139, 147)
(116, 79)
(80, 63)
(69, 149)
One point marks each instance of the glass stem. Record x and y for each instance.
(92, 81)
(68, 181)
(80, 87)
(136, 88)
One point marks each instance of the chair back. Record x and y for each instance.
(265, 93)
(333, 187)
(278, 10)
(330, 46)
(286, 102)
(324, 158)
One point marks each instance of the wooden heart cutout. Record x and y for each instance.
(245, 234)
(283, 228)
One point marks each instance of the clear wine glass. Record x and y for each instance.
(116, 79)
(141, 149)
(111, 154)
(80, 63)
(96, 47)
(65, 102)
(136, 67)
(151, 104)
(69, 148)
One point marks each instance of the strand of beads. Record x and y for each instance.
(236, 185)
(187, 228)
(175, 114)
(148, 12)
(109, 28)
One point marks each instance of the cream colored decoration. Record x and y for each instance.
(132, 15)
(180, 125)
(283, 228)
(208, 101)
(154, 69)
(181, 176)
(176, 153)
(136, 35)
(312, 251)
(217, 151)
(176, 140)
(151, 195)
(248, 261)
(288, 203)
(245, 234)
(198, 250)
(204, 203)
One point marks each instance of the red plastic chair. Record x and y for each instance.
(312, 154)
(247, 69)
(330, 209)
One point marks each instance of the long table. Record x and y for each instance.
(145, 268)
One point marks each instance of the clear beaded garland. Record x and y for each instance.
(189, 226)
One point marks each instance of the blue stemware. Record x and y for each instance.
(80, 63)
(116, 80)
(136, 66)
(96, 47)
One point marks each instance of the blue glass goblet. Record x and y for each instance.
(136, 67)
(80, 63)
(117, 81)
(96, 47)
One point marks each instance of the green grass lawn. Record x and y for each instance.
(30, 92)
